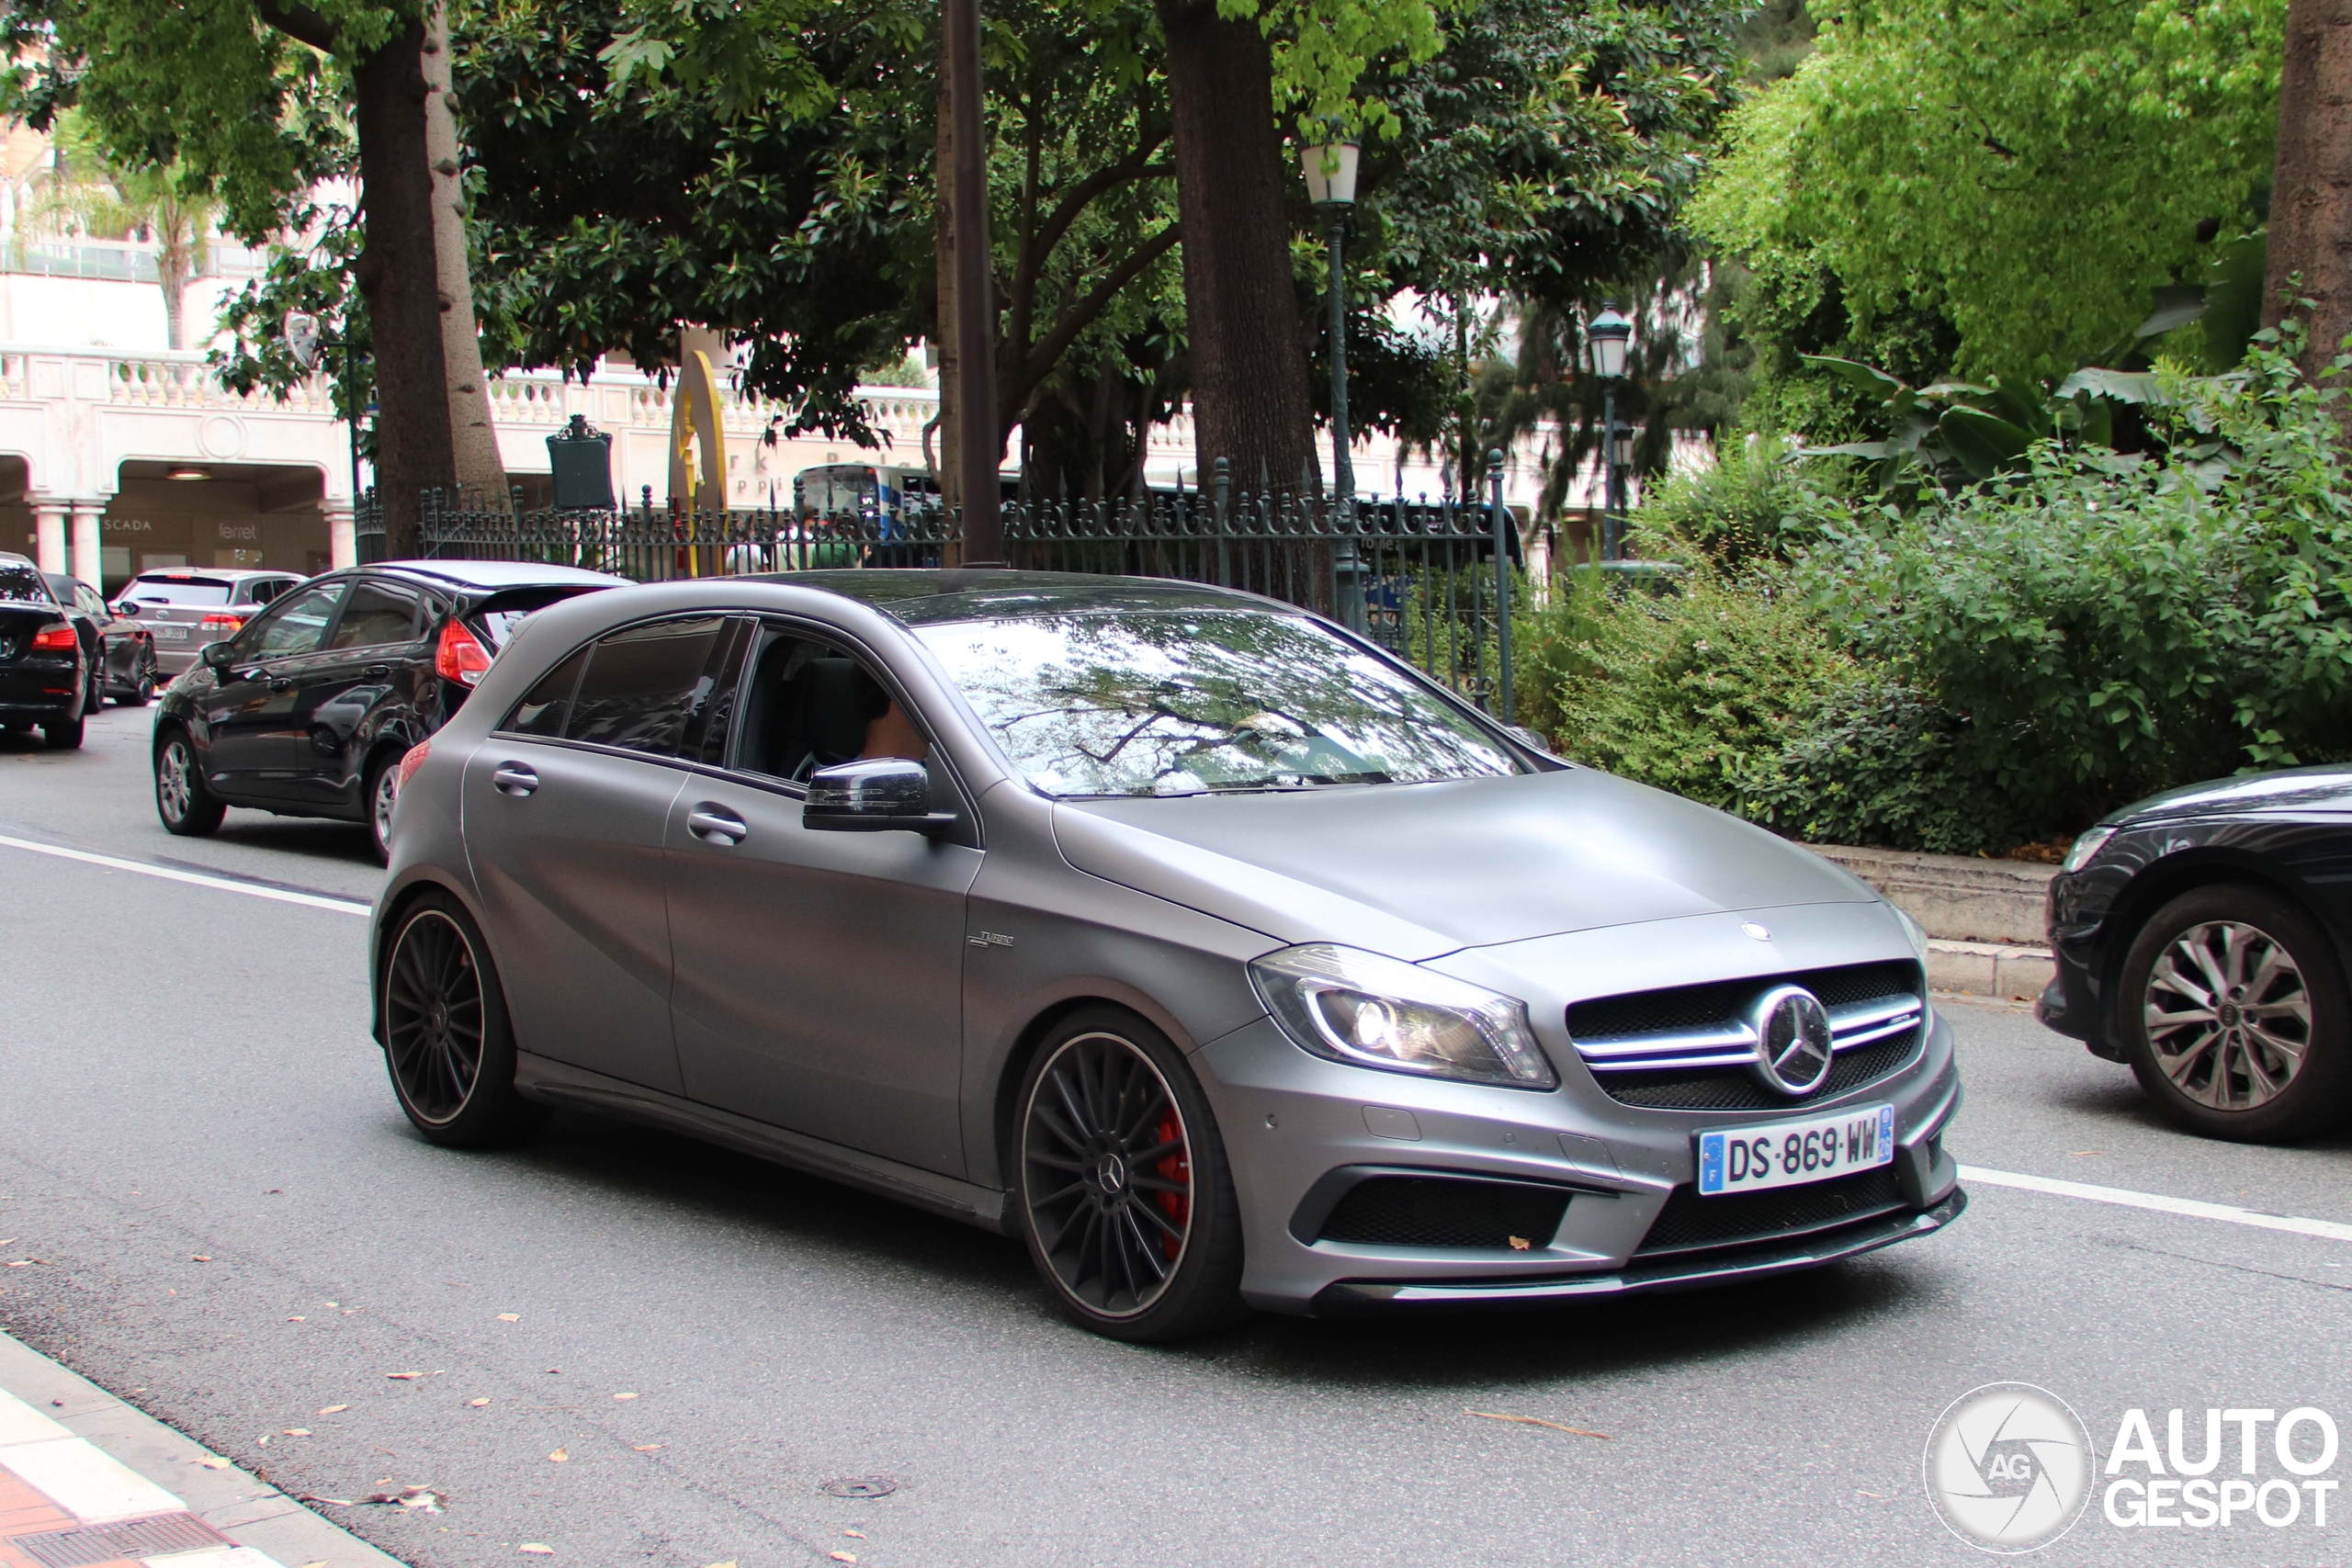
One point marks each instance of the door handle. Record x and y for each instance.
(514, 779)
(716, 825)
(281, 683)
(376, 671)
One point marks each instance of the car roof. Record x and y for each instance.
(493, 574)
(926, 596)
(234, 573)
(10, 557)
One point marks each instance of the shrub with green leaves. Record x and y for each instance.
(2113, 626)
(1752, 504)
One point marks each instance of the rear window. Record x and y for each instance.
(644, 686)
(179, 591)
(497, 621)
(22, 585)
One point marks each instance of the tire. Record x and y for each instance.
(448, 1046)
(183, 799)
(2266, 1062)
(63, 734)
(381, 792)
(142, 681)
(1143, 1258)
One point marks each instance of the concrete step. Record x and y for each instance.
(1983, 917)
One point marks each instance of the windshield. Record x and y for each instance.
(178, 590)
(22, 584)
(1188, 702)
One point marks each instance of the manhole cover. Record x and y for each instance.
(858, 1486)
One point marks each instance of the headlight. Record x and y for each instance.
(2086, 847)
(1372, 1011)
(1914, 930)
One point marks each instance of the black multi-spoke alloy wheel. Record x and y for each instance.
(2232, 1011)
(1123, 1188)
(447, 1043)
(183, 799)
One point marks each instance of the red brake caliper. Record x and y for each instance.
(1177, 1166)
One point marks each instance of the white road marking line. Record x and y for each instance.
(222, 883)
(2228, 1214)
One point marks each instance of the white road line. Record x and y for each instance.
(222, 883)
(2228, 1214)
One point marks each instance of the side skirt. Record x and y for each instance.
(555, 1083)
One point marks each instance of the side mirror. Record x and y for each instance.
(873, 797)
(126, 608)
(219, 656)
(1531, 738)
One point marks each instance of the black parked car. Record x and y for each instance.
(308, 707)
(121, 649)
(45, 678)
(2201, 938)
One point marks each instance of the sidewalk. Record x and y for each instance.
(87, 1482)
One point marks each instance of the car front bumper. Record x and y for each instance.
(1299, 1131)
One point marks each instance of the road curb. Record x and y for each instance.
(242, 1506)
(1989, 969)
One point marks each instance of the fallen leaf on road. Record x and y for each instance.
(842, 1556)
(333, 1409)
(476, 1404)
(510, 1317)
(297, 1320)
(296, 1432)
(554, 1372)
(403, 1377)
(859, 1534)
(23, 1263)
(330, 1502)
(729, 1563)
(649, 1448)
(1519, 1243)
(424, 1499)
(262, 1441)
(623, 1397)
(200, 1257)
(536, 1549)
(561, 1456)
(4, 1240)
(213, 1462)
(1539, 1421)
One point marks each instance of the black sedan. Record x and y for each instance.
(121, 649)
(45, 678)
(2201, 938)
(308, 708)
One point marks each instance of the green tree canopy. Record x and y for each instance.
(1995, 187)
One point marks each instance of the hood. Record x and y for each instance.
(1417, 870)
(2328, 789)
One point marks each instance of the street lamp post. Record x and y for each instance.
(1610, 332)
(1331, 171)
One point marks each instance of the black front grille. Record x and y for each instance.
(1690, 1222)
(1722, 1004)
(1736, 1089)
(1438, 1210)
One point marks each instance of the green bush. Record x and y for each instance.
(2113, 626)
(1752, 506)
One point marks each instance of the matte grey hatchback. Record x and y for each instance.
(1214, 953)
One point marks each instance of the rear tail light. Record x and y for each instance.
(412, 759)
(461, 657)
(59, 639)
(227, 625)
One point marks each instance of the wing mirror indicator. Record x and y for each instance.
(876, 795)
(219, 656)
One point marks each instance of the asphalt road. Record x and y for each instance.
(236, 1230)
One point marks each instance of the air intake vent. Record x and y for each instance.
(1446, 1210)
(1689, 1223)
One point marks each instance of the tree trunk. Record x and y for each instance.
(2311, 201)
(949, 473)
(172, 271)
(396, 272)
(471, 434)
(1250, 401)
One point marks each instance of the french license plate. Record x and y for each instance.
(167, 633)
(1787, 1153)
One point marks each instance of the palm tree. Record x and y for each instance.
(85, 194)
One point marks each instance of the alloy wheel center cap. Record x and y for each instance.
(1110, 1175)
(2230, 1014)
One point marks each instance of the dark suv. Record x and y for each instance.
(306, 710)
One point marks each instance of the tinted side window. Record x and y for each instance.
(548, 703)
(294, 624)
(645, 686)
(378, 612)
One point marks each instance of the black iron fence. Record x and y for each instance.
(1431, 582)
